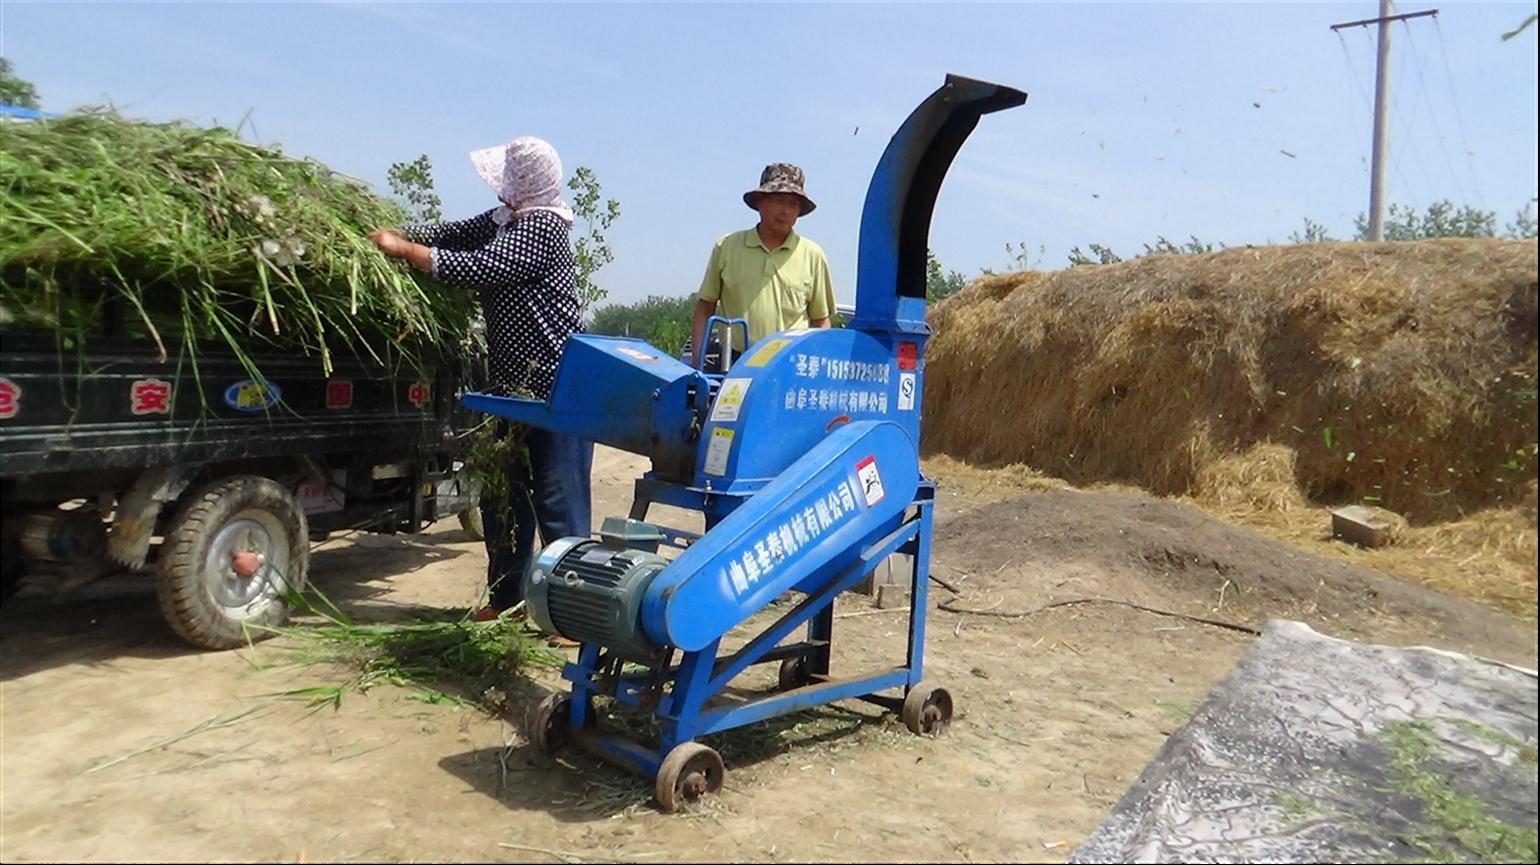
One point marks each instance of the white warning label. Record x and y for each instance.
(871, 482)
(730, 399)
(906, 386)
(716, 452)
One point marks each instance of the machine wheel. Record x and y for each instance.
(549, 724)
(689, 772)
(470, 522)
(794, 673)
(233, 552)
(927, 710)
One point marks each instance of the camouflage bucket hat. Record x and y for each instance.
(780, 177)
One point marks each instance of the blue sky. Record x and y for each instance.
(1143, 119)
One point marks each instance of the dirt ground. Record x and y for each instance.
(119, 743)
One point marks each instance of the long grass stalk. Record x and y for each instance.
(211, 241)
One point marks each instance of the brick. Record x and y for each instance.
(1366, 526)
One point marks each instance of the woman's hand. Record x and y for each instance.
(389, 242)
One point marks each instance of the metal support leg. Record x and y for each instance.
(918, 595)
(582, 707)
(680, 723)
(821, 628)
(640, 501)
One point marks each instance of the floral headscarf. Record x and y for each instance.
(526, 172)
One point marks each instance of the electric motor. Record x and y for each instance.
(591, 591)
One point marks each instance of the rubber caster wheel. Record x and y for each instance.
(549, 725)
(689, 772)
(927, 710)
(794, 674)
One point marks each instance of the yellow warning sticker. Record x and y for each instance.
(767, 351)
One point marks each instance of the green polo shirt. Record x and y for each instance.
(774, 290)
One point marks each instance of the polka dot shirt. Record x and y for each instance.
(527, 281)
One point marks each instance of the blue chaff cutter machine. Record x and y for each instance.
(803, 458)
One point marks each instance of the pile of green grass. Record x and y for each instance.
(441, 657)
(190, 235)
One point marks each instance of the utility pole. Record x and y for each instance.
(1381, 112)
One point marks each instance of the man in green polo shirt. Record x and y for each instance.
(768, 275)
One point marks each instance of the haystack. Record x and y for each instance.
(1396, 374)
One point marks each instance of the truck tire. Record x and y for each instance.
(470, 522)
(213, 591)
(13, 568)
(13, 571)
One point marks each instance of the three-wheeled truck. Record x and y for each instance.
(112, 458)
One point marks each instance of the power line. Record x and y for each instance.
(1347, 60)
(1459, 121)
(1408, 122)
(1422, 84)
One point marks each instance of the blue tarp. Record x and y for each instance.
(23, 113)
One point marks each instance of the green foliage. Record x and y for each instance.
(1021, 257)
(1441, 219)
(669, 334)
(1314, 232)
(1165, 247)
(196, 235)
(939, 285)
(412, 185)
(1523, 224)
(495, 448)
(442, 657)
(14, 90)
(1102, 254)
(592, 249)
(662, 321)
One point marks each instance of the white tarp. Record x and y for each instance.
(1317, 749)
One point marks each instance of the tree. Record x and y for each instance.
(938, 285)
(1441, 219)
(592, 249)
(412, 185)
(15, 90)
(662, 321)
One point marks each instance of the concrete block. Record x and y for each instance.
(1366, 526)
(895, 570)
(891, 596)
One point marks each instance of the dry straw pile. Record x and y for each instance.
(1265, 380)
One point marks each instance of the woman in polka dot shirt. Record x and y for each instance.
(518, 258)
